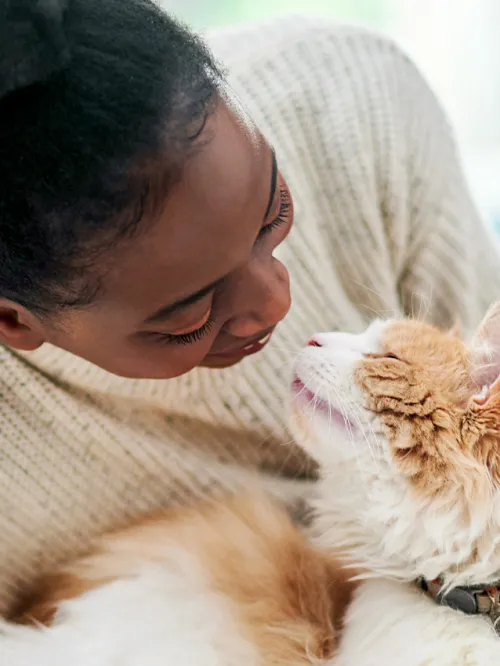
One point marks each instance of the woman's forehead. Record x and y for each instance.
(225, 170)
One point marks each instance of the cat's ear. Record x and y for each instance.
(484, 350)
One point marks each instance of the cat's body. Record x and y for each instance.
(391, 621)
(224, 583)
(404, 421)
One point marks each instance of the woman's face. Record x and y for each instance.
(199, 287)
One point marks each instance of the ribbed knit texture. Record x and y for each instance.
(384, 224)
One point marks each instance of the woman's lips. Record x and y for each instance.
(247, 350)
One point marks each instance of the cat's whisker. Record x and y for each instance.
(380, 313)
(424, 305)
(348, 427)
(359, 422)
(340, 404)
(377, 443)
(390, 313)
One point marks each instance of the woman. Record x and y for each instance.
(146, 246)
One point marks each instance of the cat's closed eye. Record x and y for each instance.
(386, 355)
(390, 355)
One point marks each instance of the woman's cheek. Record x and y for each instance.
(177, 359)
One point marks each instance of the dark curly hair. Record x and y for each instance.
(100, 102)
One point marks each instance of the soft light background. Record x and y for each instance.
(456, 44)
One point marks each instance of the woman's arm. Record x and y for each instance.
(451, 271)
(363, 128)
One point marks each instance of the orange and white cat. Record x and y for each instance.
(404, 421)
(226, 583)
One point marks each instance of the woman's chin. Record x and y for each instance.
(219, 363)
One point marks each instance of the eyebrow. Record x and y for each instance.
(274, 181)
(167, 311)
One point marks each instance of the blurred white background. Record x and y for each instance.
(456, 43)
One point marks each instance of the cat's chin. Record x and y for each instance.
(306, 398)
(315, 406)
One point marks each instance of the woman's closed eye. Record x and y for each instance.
(190, 337)
(282, 217)
(186, 338)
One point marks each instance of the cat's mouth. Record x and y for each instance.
(317, 404)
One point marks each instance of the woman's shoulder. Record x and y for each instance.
(291, 41)
(308, 75)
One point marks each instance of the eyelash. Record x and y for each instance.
(285, 206)
(195, 336)
(187, 338)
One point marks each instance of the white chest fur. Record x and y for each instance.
(161, 616)
(393, 624)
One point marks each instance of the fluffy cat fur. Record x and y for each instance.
(404, 421)
(223, 583)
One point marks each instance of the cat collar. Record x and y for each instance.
(476, 600)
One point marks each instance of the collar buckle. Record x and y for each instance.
(460, 598)
(476, 600)
(493, 595)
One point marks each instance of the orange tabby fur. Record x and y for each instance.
(425, 398)
(288, 596)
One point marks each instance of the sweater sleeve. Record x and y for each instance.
(401, 229)
(451, 268)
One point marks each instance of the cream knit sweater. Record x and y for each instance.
(384, 225)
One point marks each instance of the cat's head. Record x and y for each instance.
(404, 421)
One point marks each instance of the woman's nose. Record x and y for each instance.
(263, 301)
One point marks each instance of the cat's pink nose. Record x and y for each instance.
(313, 342)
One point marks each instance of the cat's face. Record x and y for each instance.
(404, 421)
